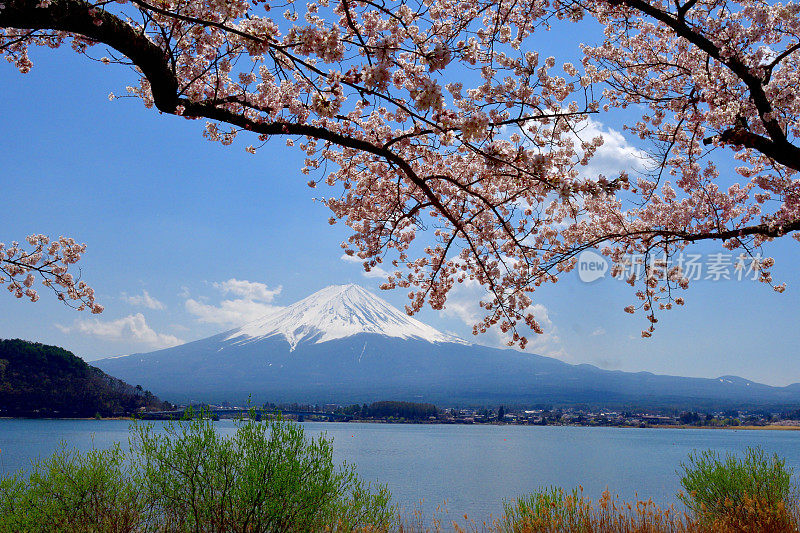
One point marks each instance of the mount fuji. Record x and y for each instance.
(337, 312)
(343, 344)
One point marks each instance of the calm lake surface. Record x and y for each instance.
(473, 468)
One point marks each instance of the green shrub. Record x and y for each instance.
(71, 491)
(754, 489)
(546, 508)
(267, 477)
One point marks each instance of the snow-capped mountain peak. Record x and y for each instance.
(335, 312)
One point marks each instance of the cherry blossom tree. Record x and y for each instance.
(49, 261)
(453, 151)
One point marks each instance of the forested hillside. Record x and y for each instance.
(47, 381)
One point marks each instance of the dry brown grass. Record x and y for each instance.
(558, 511)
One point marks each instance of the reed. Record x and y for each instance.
(554, 510)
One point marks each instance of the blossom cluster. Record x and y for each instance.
(49, 261)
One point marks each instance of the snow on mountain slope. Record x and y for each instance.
(335, 312)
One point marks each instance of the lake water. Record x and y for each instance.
(473, 468)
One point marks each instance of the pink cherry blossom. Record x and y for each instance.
(456, 153)
(49, 261)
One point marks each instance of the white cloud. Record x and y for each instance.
(229, 312)
(250, 290)
(375, 272)
(599, 331)
(132, 328)
(254, 302)
(615, 155)
(463, 304)
(144, 300)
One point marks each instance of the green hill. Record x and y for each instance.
(37, 380)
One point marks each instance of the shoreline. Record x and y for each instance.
(773, 427)
(745, 428)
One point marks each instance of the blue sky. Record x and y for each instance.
(187, 237)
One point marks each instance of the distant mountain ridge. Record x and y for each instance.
(37, 380)
(345, 345)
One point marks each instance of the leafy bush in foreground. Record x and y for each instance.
(71, 491)
(267, 477)
(754, 489)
